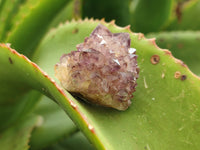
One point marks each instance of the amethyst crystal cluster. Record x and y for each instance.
(103, 70)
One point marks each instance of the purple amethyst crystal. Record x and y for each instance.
(103, 70)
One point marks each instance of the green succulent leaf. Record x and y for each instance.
(18, 99)
(184, 15)
(15, 103)
(165, 109)
(118, 10)
(150, 16)
(64, 15)
(184, 45)
(55, 126)
(18, 135)
(2, 2)
(74, 142)
(39, 13)
(8, 9)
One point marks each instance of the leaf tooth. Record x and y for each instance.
(153, 41)
(73, 20)
(86, 19)
(66, 22)
(141, 36)
(178, 61)
(6, 46)
(102, 20)
(78, 20)
(53, 29)
(112, 22)
(127, 27)
(92, 19)
(60, 25)
(167, 52)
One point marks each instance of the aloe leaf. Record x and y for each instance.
(77, 9)
(74, 142)
(145, 108)
(66, 14)
(55, 125)
(118, 10)
(17, 136)
(15, 106)
(183, 45)
(17, 83)
(165, 110)
(147, 116)
(41, 16)
(150, 16)
(18, 99)
(2, 2)
(183, 16)
(8, 10)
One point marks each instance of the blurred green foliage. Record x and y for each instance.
(24, 23)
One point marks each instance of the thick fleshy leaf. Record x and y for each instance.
(8, 9)
(165, 110)
(66, 14)
(74, 142)
(18, 135)
(98, 9)
(150, 16)
(1, 5)
(17, 98)
(15, 101)
(39, 13)
(184, 45)
(31, 75)
(55, 126)
(160, 104)
(184, 14)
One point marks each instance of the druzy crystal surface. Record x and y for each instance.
(103, 70)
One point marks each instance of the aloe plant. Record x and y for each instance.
(34, 106)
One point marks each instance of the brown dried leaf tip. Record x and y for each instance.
(103, 70)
